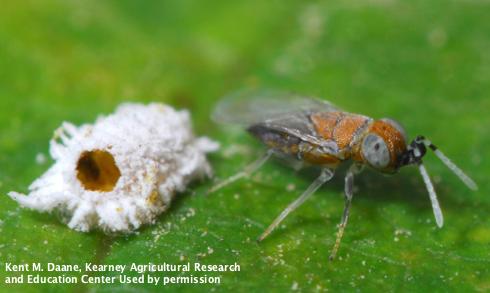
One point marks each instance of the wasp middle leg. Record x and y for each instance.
(326, 175)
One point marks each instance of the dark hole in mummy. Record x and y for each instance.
(97, 171)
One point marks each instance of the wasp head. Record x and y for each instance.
(383, 145)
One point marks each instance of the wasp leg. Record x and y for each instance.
(247, 171)
(348, 193)
(326, 175)
(291, 162)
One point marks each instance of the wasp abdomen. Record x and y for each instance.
(277, 140)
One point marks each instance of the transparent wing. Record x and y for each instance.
(248, 107)
(299, 124)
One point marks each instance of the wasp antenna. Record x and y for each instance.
(456, 170)
(432, 195)
(466, 180)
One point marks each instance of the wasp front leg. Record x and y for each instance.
(348, 194)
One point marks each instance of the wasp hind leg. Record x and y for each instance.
(348, 193)
(247, 171)
(326, 175)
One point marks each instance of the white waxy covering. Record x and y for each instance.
(122, 171)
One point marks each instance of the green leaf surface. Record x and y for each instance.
(424, 63)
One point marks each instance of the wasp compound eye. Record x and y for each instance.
(375, 151)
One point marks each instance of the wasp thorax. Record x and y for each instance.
(97, 171)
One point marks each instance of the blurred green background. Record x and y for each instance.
(425, 63)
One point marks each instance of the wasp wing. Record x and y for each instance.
(249, 107)
(275, 110)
